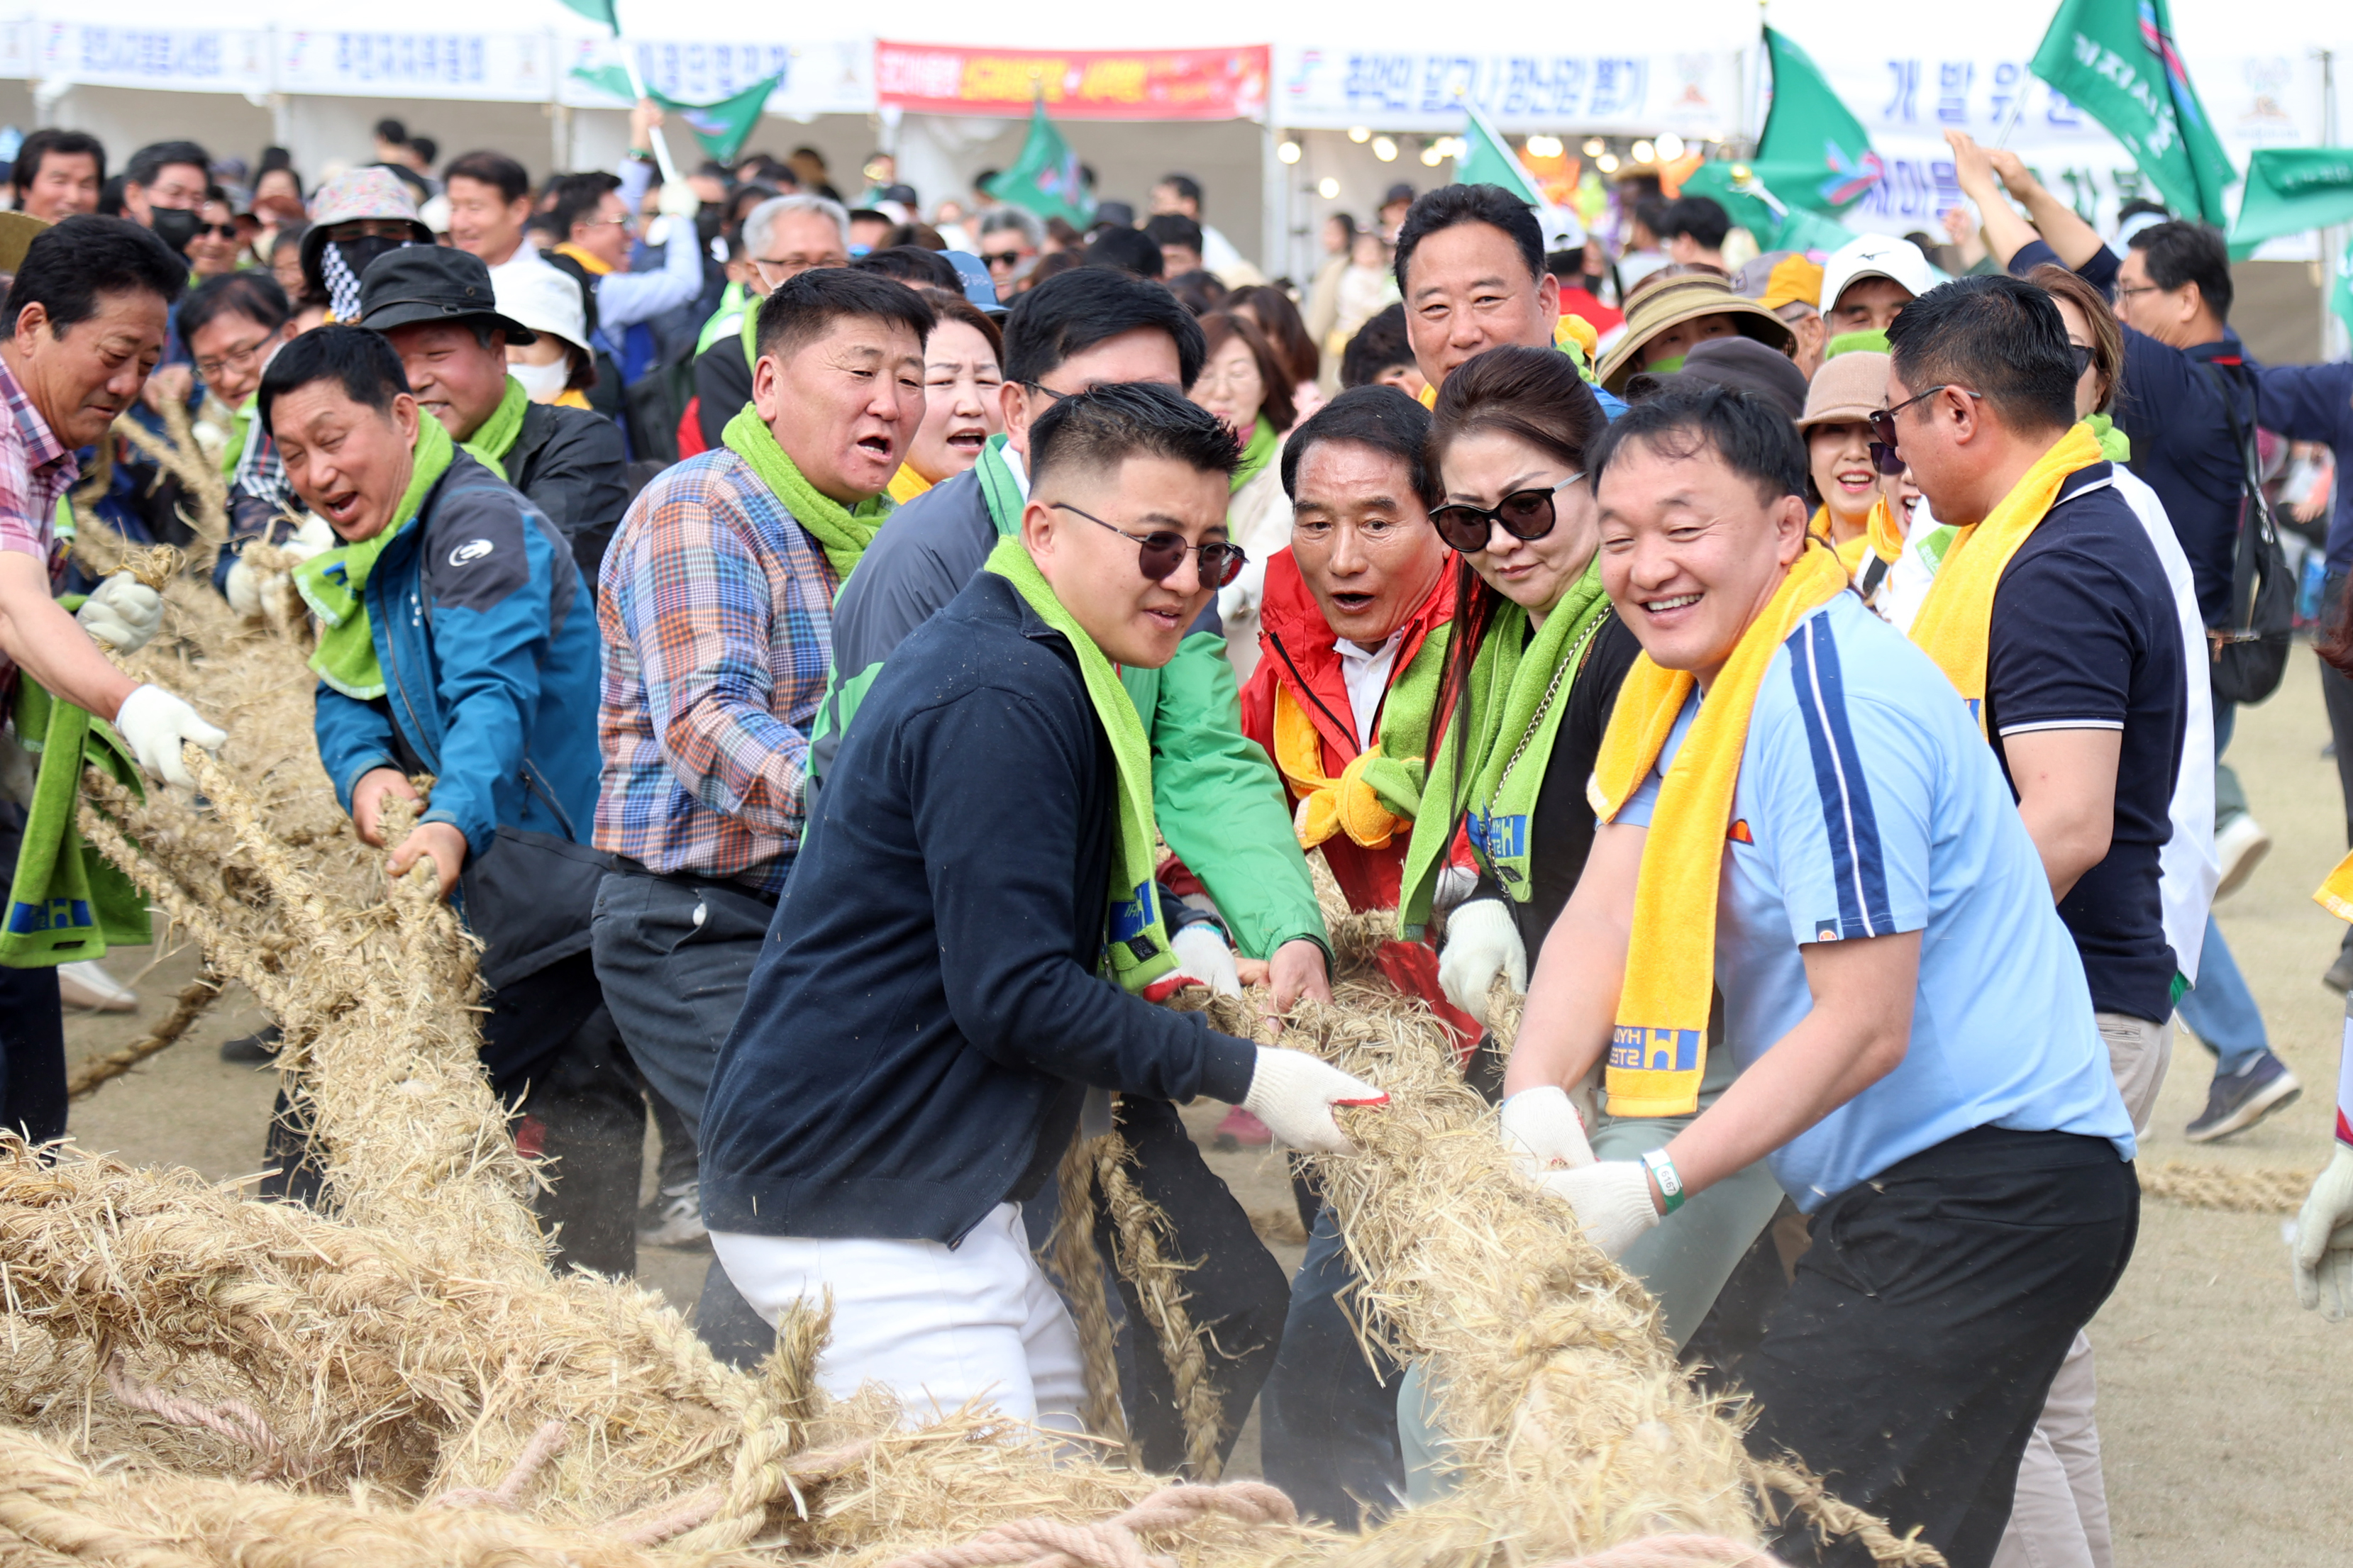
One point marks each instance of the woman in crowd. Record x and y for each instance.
(961, 412)
(1278, 321)
(212, 252)
(1851, 510)
(557, 366)
(1246, 387)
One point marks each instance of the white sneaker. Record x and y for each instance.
(2239, 843)
(673, 1217)
(88, 985)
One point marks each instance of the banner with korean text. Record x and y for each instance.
(1075, 84)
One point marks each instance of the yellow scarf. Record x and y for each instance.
(1882, 536)
(1328, 806)
(596, 265)
(907, 484)
(1658, 1050)
(2335, 895)
(1955, 618)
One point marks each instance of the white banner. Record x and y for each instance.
(184, 59)
(1694, 94)
(505, 67)
(829, 76)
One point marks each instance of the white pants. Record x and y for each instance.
(937, 1325)
(2060, 1519)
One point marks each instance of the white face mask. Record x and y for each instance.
(541, 383)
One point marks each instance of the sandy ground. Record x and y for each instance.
(2223, 1406)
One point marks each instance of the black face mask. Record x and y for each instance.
(175, 226)
(359, 253)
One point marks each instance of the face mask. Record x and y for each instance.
(1665, 366)
(541, 383)
(175, 226)
(358, 253)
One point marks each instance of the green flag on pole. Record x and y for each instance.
(721, 128)
(2291, 190)
(2116, 60)
(1045, 179)
(1776, 225)
(601, 12)
(1488, 160)
(1813, 153)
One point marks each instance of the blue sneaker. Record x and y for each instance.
(2238, 1101)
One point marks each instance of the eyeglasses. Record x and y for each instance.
(236, 358)
(218, 230)
(1001, 257)
(1522, 514)
(2124, 293)
(1163, 551)
(1884, 455)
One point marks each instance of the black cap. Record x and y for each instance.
(432, 283)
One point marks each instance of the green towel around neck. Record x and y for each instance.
(2115, 445)
(68, 902)
(1866, 342)
(334, 582)
(1408, 710)
(842, 532)
(1256, 452)
(1508, 680)
(1136, 943)
(489, 445)
(240, 431)
(999, 489)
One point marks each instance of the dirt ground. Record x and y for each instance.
(2223, 1406)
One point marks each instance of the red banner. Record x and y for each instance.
(1077, 84)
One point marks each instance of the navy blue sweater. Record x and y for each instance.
(926, 1015)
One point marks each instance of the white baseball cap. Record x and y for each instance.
(1875, 255)
(544, 299)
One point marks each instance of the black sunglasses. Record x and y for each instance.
(223, 230)
(1162, 551)
(1522, 514)
(1884, 455)
(1001, 257)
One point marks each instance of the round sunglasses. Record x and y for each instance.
(1524, 514)
(1161, 552)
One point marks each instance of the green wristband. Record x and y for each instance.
(1663, 1171)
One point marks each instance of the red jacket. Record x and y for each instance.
(1295, 650)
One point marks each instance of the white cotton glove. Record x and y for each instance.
(1612, 1200)
(244, 585)
(122, 613)
(1544, 1133)
(1293, 1094)
(1482, 941)
(312, 537)
(1202, 954)
(2324, 1241)
(678, 199)
(154, 724)
(1455, 883)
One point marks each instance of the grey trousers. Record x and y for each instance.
(674, 957)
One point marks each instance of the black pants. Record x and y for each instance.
(31, 1025)
(1911, 1355)
(2336, 696)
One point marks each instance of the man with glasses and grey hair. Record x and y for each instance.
(782, 237)
(1010, 240)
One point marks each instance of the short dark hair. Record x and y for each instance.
(1746, 431)
(1072, 311)
(2139, 205)
(74, 260)
(1701, 217)
(157, 156)
(2175, 253)
(911, 264)
(1380, 417)
(426, 148)
(1102, 428)
(1199, 290)
(364, 364)
(489, 168)
(1999, 336)
(392, 131)
(1129, 250)
(253, 294)
(577, 198)
(42, 144)
(803, 306)
(1381, 345)
(1451, 204)
(1174, 229)
(1186, 187)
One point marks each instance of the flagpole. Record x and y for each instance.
(639, 95)
(2017, 110)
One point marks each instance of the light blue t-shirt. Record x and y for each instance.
(1869, 804)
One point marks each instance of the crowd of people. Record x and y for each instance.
(865, 658)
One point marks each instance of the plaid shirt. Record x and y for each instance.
(717, 611)
(35, 470)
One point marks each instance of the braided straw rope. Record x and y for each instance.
(1141, 1230)
(1078, 1268)
(190, 1005)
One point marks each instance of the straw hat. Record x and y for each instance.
(1680, 300)
(1846, 390)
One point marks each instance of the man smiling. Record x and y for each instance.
(958, 960)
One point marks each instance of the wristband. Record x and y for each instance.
(1663, 1171)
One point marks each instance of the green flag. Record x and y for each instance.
(721, 128)
(1045, 179)
(2116, 61)
(601, 12)
(1776, 225)
(2340, 292)
(1489, 161)
(2291, 190)
(1813, 152)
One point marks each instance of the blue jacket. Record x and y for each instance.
(490, 655)
(2314, 403)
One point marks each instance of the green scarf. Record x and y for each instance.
(1509, 678)
(1407, 711)
(1255, 453)
(2114, 446)
(68, 902)
(999, 489)
(496, 438)
(1866, 342)
(843, 532)
(334, 582)
(240, 431)
(1135, 944)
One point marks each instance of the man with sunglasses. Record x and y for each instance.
(957, 970)
(1216, 796)
(1009, 241)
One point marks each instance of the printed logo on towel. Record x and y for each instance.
(1654, 1050)
(472, 550)
(1497, 837)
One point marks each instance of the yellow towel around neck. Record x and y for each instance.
(1328, 806)
(1956, 619)
(2336, 894)
(1658, 1052)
